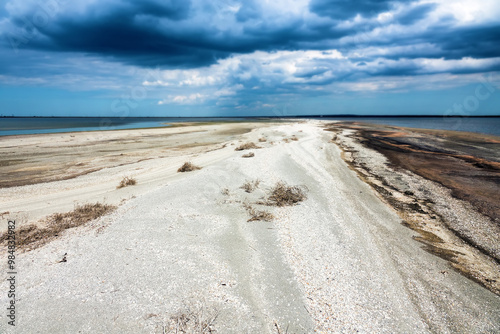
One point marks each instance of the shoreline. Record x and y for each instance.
(450, 224)
(344, 259)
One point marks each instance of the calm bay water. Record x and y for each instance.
(486, 125)
(17, 126)
(36, 125)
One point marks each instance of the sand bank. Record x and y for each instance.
(181, 243)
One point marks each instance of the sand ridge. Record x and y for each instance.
(340, 261)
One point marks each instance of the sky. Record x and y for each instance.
(125, 58)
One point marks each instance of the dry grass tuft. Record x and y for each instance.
(197, 321)
(188, 167)
(260, 215)
(31, 236)
(294, 138)
(127, 181)
(248, 155)
(247, 146)
(225, 192)
(262, 140)
(250, 186)
(286, 140)
(257, 215)
(283, 194)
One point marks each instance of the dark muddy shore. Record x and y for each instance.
(467, 164)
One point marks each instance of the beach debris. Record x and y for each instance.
(64, 259)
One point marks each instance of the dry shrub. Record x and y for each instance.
(286, 140)
(249, 155)
(283, 194)
(32, 236)
(225, 192)
(294, 138)
(262, 140)
(246, 146)
(188, 167)
(127, 181)
(250, 186)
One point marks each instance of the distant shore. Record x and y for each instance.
(38, 125)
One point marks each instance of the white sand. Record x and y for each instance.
(339, 262)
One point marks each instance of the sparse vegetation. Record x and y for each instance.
(294, 138)
(32, 236)
(187, 167)
(197, 321)
(127, 181)
(250, 186)
(225, 192)
(286, 140)
(249, 155)
(246, 146)
(262, 140)
(283, 194)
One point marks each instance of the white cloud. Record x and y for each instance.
(469, 11)
(184, 99)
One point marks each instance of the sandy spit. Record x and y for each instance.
(339, 262)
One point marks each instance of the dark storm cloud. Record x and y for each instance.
(347, 9)
(477, 42)
(130, 31)
(191, 34)
(415, 14)
(154, 33)
(175, 10)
